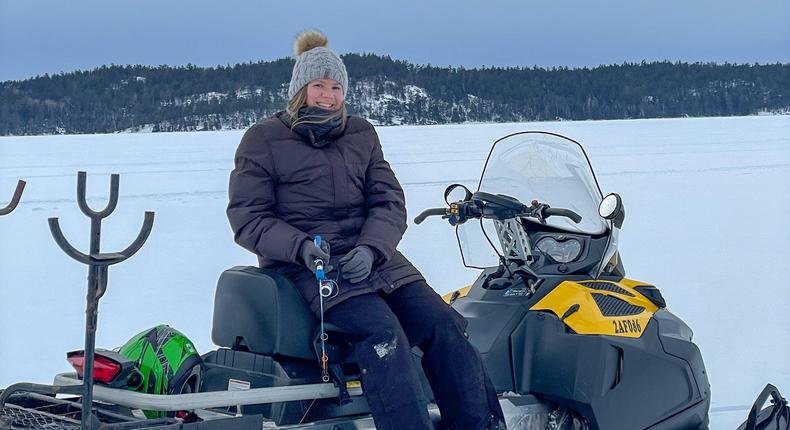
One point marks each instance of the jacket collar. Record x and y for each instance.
(306, 133)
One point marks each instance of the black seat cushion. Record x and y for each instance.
(261, 310)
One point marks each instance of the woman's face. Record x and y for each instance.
(325, 93)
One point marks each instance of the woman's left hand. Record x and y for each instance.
(356, 265)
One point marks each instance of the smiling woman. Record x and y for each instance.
(311, 191)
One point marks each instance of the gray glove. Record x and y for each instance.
(309, 253)
(356, 265)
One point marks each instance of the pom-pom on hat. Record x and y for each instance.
(315, 61)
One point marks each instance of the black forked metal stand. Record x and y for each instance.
(98, 263)
(14, 200)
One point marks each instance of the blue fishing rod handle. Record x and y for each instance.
(319, 269)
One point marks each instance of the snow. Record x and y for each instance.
(413, 91)
(706, 200)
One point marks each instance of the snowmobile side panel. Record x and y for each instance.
(616, 382)
(675, 337)
(600, 307)
(489, 326)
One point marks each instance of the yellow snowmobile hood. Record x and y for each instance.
(600, 307)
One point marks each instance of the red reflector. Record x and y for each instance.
(104, 369)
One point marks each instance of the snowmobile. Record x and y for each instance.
(568, 341)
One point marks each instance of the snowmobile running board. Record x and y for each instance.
(211, 399)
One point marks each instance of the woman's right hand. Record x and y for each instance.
(310, 253)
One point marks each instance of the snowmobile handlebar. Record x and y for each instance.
(563, 212)
(495, 206)
(501, 207)
(430, 212)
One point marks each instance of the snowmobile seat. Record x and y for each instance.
(261, 311)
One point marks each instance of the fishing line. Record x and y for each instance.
(325, 289)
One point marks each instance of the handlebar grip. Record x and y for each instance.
(429, 212)
(563, 212)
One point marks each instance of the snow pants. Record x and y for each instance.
(384, 327)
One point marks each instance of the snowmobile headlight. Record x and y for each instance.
(561, 250)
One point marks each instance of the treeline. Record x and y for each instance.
(387, 91)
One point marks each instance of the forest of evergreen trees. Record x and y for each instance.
(386, 91)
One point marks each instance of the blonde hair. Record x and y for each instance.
(299, 101)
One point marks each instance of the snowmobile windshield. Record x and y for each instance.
(548, 168)
(529, 166)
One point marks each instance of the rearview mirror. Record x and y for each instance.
(611, 208)
(456, 193)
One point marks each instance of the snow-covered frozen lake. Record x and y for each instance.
(707, 207)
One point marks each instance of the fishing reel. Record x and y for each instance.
(326, 289)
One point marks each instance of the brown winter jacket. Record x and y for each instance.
(285, 189)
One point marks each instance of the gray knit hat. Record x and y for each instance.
(315, 61)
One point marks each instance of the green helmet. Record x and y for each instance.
(166, 360)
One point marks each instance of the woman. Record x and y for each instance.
(313, 170)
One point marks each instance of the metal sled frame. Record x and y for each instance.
(206, 400)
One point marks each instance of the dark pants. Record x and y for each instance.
(384, 327)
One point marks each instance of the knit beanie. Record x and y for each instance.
(315, 61)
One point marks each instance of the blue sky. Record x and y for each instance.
(49, 36)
